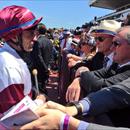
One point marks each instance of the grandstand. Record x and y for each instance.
(120, 8)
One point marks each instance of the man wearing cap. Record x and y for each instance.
(74, 44)
(17, 29)
(95, 80)
(66, 42)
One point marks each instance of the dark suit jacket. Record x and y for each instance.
(105, 77)
(113, 100)
(41, 56)
(93, 64)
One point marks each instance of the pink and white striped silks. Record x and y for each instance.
(15, 79)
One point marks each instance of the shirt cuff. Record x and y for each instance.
(85, 105)
(38, 102)
(83, 125)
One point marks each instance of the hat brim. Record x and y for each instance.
(104, 31)
(34, 24)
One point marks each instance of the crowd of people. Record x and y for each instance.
(93, 64)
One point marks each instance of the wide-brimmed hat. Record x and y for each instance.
(75, 41)
(67, 32)
(90, 40)
(109, 27)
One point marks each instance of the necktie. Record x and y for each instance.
(106, 59)
(64, 46)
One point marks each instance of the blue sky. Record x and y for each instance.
(60, 13)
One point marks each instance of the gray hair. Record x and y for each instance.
(126, 36)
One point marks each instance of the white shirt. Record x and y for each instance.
(110, 61)
(68, 43)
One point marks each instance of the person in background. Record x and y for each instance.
(90, 80)
(107, 30)
(88, 47)
(117, 72)
(74, 45)
(17, 30)
(41, 56)
(104, 34)
(66, 41)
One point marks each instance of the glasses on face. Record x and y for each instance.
(100, 39)
(116, 43)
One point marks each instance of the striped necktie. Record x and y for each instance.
(106, 59)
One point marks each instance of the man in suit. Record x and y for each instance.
(107, 29)
(41, 56)
(95, 80)
(110, 27)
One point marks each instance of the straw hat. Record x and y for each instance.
(108, 27)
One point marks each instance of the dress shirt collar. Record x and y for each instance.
(110, 61)
(128, 63)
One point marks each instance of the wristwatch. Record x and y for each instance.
(77, 105)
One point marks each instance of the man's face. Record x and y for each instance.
(28, 40)
(122, 49)
(85, 48)
(104, 43)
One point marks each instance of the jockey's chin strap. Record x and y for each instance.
(16, 43)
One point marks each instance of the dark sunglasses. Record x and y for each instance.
(116, 43)
(100, 39)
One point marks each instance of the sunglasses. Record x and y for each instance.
(100, 39)
(116, 43)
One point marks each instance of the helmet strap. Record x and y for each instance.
(16, 43)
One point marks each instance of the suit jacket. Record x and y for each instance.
(113, 100)
(93, 64)
(41, 56)
(105, 77)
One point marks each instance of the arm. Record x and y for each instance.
(55, 119)
(50, 119)
(95, 80)
(74, 57)
(73, 91)
(87, 80)
(92, 80)
(116, 96)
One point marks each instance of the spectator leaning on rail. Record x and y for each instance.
(17, 26)
(104, 36)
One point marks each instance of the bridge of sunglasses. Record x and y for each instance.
(101, 39)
